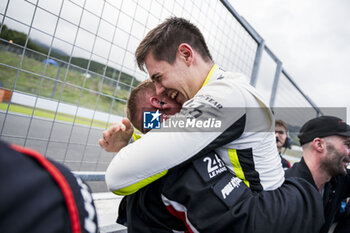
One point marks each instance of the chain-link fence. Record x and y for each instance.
(67, 67)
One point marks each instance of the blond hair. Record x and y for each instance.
(135, 96)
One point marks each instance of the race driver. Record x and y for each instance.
(179, 63)
(209, 201)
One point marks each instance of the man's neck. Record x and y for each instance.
(205, 70)
(320, 176)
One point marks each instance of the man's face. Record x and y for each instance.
(168, 106)
(281, 135)
(338, 155)
(143, 104)
(149, 101)
(172, 80)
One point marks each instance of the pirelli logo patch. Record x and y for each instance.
(209, 166)
(229, 189)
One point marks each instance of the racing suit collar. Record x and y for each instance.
(209, 75)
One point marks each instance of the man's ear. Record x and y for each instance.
(186, 53)
(155, 102)
(319, 144)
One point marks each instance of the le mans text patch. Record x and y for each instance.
(209, 166)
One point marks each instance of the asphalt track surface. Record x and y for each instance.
(74, 145)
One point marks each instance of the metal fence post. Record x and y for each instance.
(275, 83)
(257, 62)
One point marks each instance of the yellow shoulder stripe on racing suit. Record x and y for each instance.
(237, 166)
(135, 187)
(232, 152)
(209, 75)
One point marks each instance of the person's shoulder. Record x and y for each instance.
(294, 171)
(220, 91)
(235, 78)
(285, 163)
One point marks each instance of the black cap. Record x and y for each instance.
(323, 126)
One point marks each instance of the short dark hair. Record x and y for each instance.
(164, 40)
(282, 123)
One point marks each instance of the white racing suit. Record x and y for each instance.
(244, 141)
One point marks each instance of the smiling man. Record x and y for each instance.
(142, 98)
(180, 65)
(204, 196)
(326, 154)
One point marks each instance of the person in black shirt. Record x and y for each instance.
(326, 153)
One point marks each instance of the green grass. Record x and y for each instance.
(51, 115)
(77, 88)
